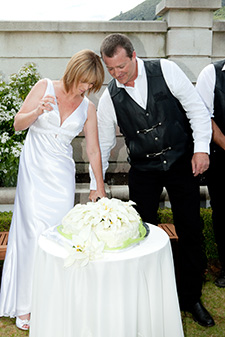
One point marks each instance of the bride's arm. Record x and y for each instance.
(93, 152)
(33, 106)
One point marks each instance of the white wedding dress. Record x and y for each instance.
(45, 193)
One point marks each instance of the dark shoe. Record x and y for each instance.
(201, 315)
(220, 281)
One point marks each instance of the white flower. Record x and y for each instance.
(105, 213)
(86, 247)
(85, 222)
(4, 137)
(76, 257)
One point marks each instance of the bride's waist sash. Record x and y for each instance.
(53, 130)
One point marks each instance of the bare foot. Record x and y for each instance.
(23, 317)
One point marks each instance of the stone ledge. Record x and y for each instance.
(7, 195)
(166, 5)
(83, 26)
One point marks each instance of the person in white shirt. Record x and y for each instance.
(211, 87)
(167, 131)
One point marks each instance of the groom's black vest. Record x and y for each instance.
(158, 135)
(219, 101)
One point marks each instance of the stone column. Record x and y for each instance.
(189, 32)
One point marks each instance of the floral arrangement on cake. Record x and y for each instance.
(107, 225)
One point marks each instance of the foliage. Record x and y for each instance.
(220, 14)
(12, 95)
(146, 11)
(5, 221)
(209, 245)
(165, 215)
(212, 297)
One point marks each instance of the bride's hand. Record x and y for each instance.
(46, 104)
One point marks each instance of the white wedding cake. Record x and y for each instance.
(112, 220)
(106, 225)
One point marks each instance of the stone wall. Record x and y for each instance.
(186, 34)
(7, 195)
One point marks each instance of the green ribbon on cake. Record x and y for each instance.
(130, 242)
(126, 244)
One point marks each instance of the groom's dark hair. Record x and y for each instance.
(112, 42)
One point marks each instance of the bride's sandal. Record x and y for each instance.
(23, 324)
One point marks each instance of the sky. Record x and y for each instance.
(64, 10)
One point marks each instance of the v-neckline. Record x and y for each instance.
(60, 119)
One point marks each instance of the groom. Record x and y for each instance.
(167, 132)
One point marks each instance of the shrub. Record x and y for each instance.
(164, 216)
(5, 221)
(209, 244)
(12, 95)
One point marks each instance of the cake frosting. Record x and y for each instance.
(114, 222)
(98, 227)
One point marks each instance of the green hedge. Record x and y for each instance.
(5, 220)
(209, 245)
(164, 216)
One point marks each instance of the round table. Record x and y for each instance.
(131, 293)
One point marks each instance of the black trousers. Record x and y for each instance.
(215, 179)
(145, 189)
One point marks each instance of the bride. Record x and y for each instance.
(54, 112)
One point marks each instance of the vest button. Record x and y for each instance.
(147, 114)
(156, 138)
(164, 161)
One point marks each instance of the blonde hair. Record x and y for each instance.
(85, 66)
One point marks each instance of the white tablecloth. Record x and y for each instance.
(126, 294)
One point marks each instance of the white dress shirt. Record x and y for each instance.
(180, 87)
(205, 86)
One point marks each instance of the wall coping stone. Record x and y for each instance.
(84, 26)
(7, 194)
(166, 5)
(218, 26)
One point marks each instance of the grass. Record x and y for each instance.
(214, 300)
(9, 329)
(212, 297)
